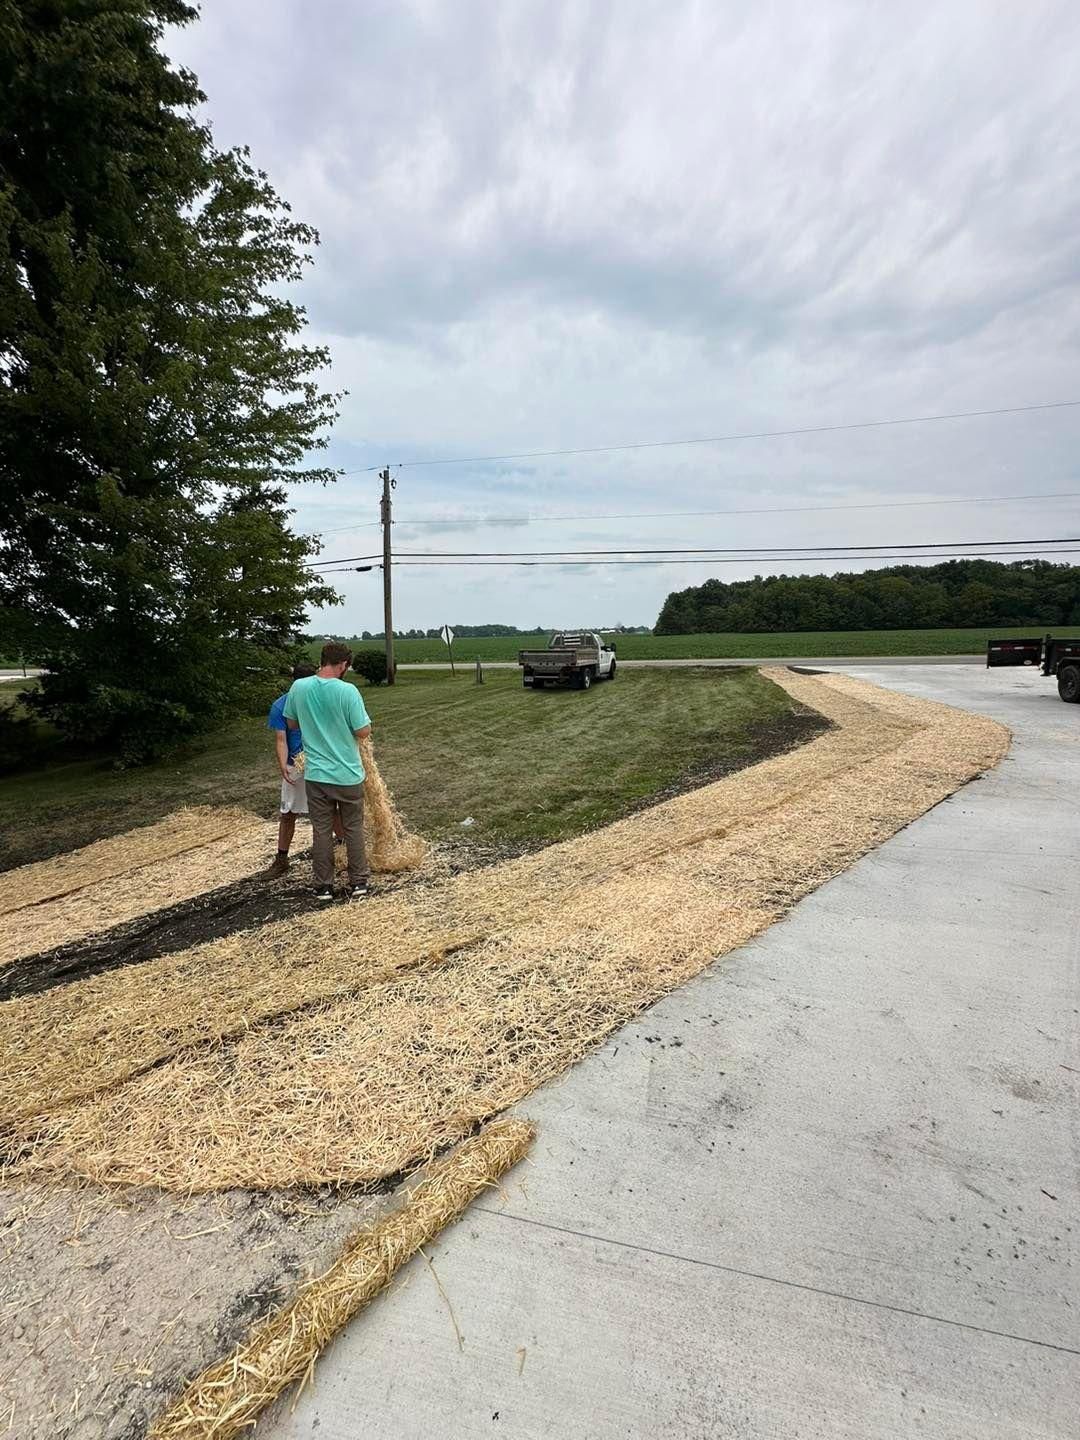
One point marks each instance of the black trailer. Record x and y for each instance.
(1053, 657)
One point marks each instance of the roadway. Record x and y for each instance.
(811, 662)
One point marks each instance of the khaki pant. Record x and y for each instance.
(323, 801)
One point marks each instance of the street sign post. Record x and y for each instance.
(448, 636)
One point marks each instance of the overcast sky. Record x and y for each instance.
(550, 225)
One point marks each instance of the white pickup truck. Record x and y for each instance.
(573, 657)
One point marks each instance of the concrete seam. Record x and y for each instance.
(774, 1280)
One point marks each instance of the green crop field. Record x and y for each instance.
(525, 767)
(717, 647)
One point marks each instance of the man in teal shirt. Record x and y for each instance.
(333, 718)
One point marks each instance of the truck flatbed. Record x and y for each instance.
(572, 658)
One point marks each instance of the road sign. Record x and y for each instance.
(448, 635)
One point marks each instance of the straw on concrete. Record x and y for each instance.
(119, 855)
(226, 1400)
(578, 939)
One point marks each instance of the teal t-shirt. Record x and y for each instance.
(329, 713)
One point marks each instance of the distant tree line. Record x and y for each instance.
(954, 594)
(464, 632)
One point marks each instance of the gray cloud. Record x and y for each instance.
(667, 163)
(563, 223)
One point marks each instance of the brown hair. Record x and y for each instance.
(333, 653)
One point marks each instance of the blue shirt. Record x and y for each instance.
(276, 721)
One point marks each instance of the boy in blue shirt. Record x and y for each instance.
(288, 744)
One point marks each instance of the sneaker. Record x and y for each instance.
(278, 867)
(359, 892)
(323, 892)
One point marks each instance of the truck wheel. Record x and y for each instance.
(1069, 683)
(585, 679)
(611, 672)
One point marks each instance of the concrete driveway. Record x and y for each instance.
(829, 1189)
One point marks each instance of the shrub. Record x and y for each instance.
(370, 665)
(20, 739)
(125, 726)
(178, 694)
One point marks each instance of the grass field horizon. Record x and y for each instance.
(734, 646)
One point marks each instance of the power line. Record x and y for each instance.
(481, 521)
(724, 439)
(735, 550)
(341, 560)
(362, 525)
(730, 559)
(770, 559)
(749, 549)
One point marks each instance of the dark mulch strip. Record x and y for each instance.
(253, 902)
(244, 905)
(776, 738)
(238, 906)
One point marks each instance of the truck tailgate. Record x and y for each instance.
(1013, 652)
(549, 660)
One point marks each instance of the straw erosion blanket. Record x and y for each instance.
(355, 1045)
(119, 855)
(226, 1399)
(234, 844)
(111, 882)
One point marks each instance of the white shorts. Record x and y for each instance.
(294, 796)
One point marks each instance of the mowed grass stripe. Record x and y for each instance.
(535, 767)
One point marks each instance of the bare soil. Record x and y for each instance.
(112, 1300)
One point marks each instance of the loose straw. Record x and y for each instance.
(226, 1399)
(391, 848)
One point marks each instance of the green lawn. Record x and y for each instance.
(707, 647)
(528, 767)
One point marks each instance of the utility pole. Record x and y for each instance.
(387, 585)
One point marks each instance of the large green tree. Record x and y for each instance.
(156, 396)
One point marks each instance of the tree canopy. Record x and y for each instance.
(955, 593)
(156, 395)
